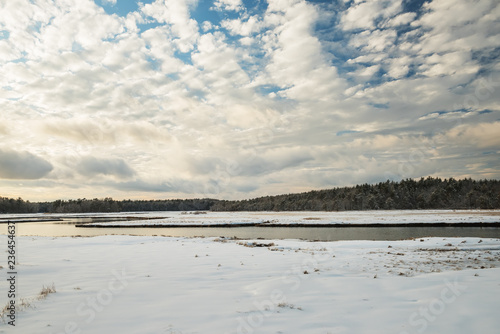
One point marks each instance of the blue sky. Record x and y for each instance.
(237, 99)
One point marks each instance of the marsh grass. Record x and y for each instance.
(25, 303)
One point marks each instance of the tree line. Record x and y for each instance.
(9, 205)
(426, 193)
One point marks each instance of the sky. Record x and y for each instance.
(235, 99)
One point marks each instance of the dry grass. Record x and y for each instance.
(25, 303)
(256, 244)
(288, 305)
(46, 290)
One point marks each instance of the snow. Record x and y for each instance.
(176, 218)
(131, 284)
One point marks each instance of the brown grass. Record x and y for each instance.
(25, 303)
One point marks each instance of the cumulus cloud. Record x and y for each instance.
(374, 41)
(231, 5)
(297, 62)
(399, 20)
(22, 165)
(363, 14)
(244, 28)
(176, 14)
(130, 99)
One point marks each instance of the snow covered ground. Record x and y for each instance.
(312, 217)
(127, 284)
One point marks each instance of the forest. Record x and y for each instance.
(409, 194)
(426, 193)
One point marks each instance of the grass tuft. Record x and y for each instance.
(46, 290)
(25, 303)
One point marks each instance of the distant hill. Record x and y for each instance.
(426, 193)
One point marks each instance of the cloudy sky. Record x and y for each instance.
(243, 98)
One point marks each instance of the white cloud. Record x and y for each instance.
(449, 64)
(458, 25)
(231, 5)
(177, 14)
(85, 131)
(66, 28)
(244, 28)
(247, 41)
(172, 105)
(399, 20)
(366, 73)
(452, 115)
(206, 26)
(8, 52)
(482, 135)
(398, 67)
(363, 15)
(374, 41)
(297, 61)
(221, 74)
(367, 58)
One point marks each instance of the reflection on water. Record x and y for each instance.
(57, 229)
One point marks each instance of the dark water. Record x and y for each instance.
(56, 229)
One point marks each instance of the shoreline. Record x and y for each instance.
(302, 225)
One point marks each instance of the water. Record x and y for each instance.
(59, 229)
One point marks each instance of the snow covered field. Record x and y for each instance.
(312, 217)
(127, 284)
